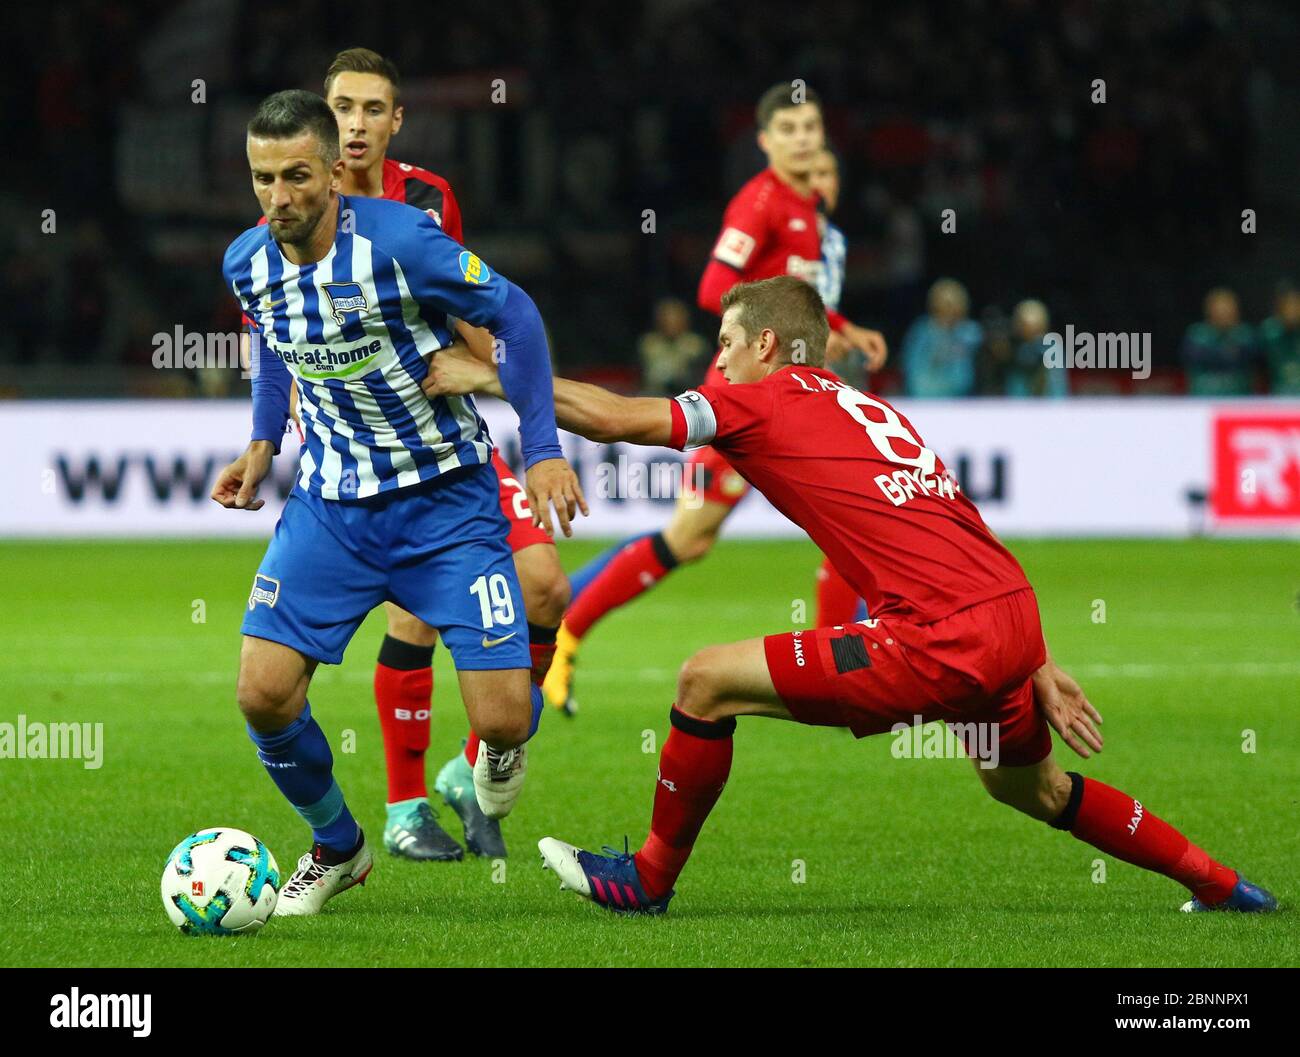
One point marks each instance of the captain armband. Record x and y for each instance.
(701, 424)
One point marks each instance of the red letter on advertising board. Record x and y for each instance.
(1257, 467)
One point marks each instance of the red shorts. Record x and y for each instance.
(709, 476)
(514, 504)
(970, 667)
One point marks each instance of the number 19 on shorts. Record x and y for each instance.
(495, 605)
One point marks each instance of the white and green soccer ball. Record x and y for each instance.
(220, 882)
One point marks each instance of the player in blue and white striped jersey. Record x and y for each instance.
(354, 329)
(347, 298)
(825, 180)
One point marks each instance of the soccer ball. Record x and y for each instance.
(220, 882)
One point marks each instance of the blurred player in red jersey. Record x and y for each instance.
(954, 634)
(771, 227)
(362, 88)
(837, 602)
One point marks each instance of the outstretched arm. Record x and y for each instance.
(587, 410)
(602, 416)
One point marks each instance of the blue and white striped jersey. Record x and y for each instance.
(353, 330)
(830, 277)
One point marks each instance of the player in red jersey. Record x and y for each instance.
(771, 227)
(954, 633)
(837, 603)
(362, 89)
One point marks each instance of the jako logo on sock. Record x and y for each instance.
(1137, 818)
(76, 1010)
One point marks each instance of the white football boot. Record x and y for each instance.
(498, 778)
(314, 883)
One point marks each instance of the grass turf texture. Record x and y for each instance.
(906, 862)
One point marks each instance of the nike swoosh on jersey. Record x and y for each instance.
(489, 643)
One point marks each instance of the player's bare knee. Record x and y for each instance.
(1042, 795)
(1056, 792)
(1047, 796)
(264, 704)
(499, 705)
(696, 546)
(409, 628)
(503, 730)
(698, 687)
(546, 599)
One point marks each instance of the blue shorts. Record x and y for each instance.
(437, 549)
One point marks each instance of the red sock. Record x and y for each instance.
(837, 602)
(1120, 826)
(404, 696)
(693, 768)
(542, 654)
(635, 569)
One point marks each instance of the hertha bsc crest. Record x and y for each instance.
(345, 298)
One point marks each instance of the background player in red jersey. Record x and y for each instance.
(771, 227)
(362, 88)
(837, 602)
(955, 632)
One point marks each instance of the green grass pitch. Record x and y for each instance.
(902, 862)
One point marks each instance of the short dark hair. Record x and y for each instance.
(293, 112)
(363, 60)
(791, 309)
(781, 97)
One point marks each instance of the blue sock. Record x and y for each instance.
(539, 706)
(300, 763)
(583, 577)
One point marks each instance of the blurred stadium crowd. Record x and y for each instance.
(1115, 216)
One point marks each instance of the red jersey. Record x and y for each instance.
(424, 190)
(850, 471)
(420, 188)
(769, 229)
